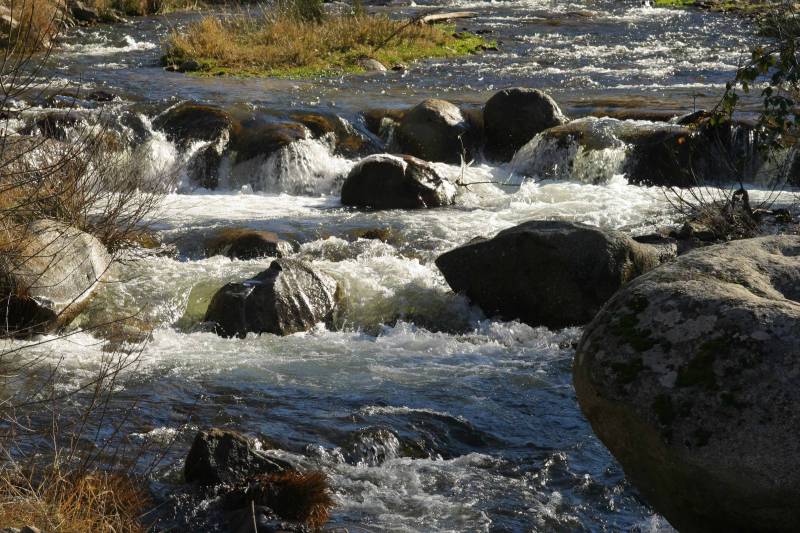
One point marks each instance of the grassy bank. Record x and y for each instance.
(738, 6)
(283, 45)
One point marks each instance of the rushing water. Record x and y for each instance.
(427, 415)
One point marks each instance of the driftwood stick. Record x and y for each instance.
(444, 17)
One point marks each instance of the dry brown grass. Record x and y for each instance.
(73, 503)
(281, 44)
(30, 25)
(299, 496)
(147, 7)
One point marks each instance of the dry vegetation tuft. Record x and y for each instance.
(72, 503)
(277, 43)
(298, 496)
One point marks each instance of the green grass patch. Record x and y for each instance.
(280, 45)
(738, 6)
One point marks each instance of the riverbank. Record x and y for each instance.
(281, 45)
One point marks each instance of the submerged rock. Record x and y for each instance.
(546, 273)
(396, 182)
(691, 377)
(436, 130)
(49, 279)
(512, 117)
(220, 456)
(287, 298)
(243, 243)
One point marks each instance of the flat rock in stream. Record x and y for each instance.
(386, 181)
(50, 279)
(690, 375)
(546, 273)
(287, 298)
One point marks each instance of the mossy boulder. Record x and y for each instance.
(546, 273)
(690, 375)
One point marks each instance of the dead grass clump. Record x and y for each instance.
(283, 44)
(297, 496)
(29, 25)
(73, 503)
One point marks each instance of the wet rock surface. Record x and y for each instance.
(287, 298)
(396, 182)
(689, 375)
(549, 273)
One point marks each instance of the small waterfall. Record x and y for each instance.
(305, 167)
(585, 150)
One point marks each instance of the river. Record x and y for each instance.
(487, 408)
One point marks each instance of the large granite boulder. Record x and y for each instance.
(546, 273)
(396, 182)
(436, 130)
(512, 117)
(287, 298)
(48, 278)
(690, 375)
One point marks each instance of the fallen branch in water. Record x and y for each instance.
(446, 17)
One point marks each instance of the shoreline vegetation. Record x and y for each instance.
(744, 7)
(303, 42)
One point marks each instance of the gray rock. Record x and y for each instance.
(84, 13)
(396, 182)
(436, 130)
(512, 117)
(546, 273)
(243, 243)
(49, 279)
(220, 456)
(287, 298)
(690, 375)
(372, 65)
